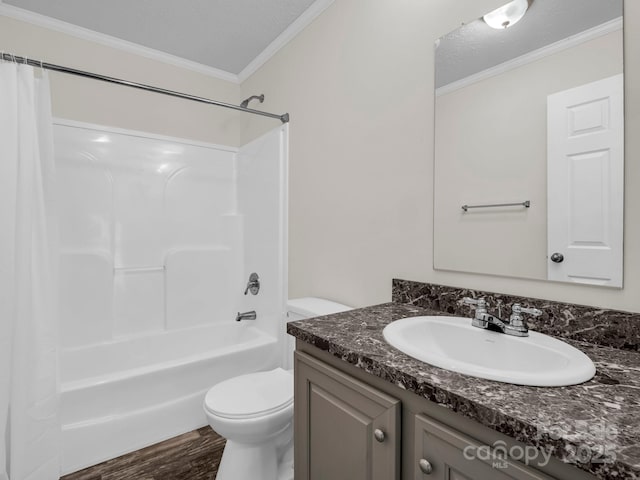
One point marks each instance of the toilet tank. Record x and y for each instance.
(308, 307)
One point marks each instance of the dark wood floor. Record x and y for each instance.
(192, 456)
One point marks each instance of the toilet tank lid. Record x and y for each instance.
(315, 307)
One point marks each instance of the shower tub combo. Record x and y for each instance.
(158, 238)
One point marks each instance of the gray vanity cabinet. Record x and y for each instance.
(442, 453)
(344, 428)
(351, 425)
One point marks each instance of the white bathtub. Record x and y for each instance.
(124, 395)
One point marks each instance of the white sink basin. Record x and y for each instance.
(453, 344)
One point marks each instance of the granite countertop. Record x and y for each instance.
(599, 419)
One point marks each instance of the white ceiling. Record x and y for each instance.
(224, 34)
(475, 47)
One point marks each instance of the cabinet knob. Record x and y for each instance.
(425, 466)
(379, 435)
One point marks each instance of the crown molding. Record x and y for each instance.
(569, 42)
(285, 37)
(113, 42)
(303, 21)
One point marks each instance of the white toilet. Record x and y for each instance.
(254, 412)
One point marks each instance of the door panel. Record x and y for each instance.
(336, 419)
(585, 168)
(335, 433)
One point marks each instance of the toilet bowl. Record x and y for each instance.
(254, 412)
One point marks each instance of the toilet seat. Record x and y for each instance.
(252, 395)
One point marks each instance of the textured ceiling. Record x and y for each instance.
(224, 34)
(476, 46)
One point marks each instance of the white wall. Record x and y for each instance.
(86, 100)
(358, 83)
(491, 144)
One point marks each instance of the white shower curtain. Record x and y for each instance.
(29, 426)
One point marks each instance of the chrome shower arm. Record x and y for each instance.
(245, 102)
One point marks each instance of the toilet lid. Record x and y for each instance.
(251, 395)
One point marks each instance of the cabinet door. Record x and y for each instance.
(344, 429)
(451, 455)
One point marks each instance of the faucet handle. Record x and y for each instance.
(480, 304)
(531, 311)
(253, 285)
(516, 319)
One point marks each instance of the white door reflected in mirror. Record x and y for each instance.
(585, 185)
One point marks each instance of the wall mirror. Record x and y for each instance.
(529, 143)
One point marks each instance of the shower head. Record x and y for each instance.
(245, 103)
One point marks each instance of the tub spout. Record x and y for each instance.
(246, 316)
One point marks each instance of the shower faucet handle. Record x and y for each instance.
(253, 285)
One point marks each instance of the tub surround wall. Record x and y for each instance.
(562, 421)
(262, 186)
(137, 257)
(612, 328)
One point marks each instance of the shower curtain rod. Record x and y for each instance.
(81, 73)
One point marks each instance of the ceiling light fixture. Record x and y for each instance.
(507, 15)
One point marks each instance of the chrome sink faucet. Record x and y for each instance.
(482, 319)
(515, 325)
